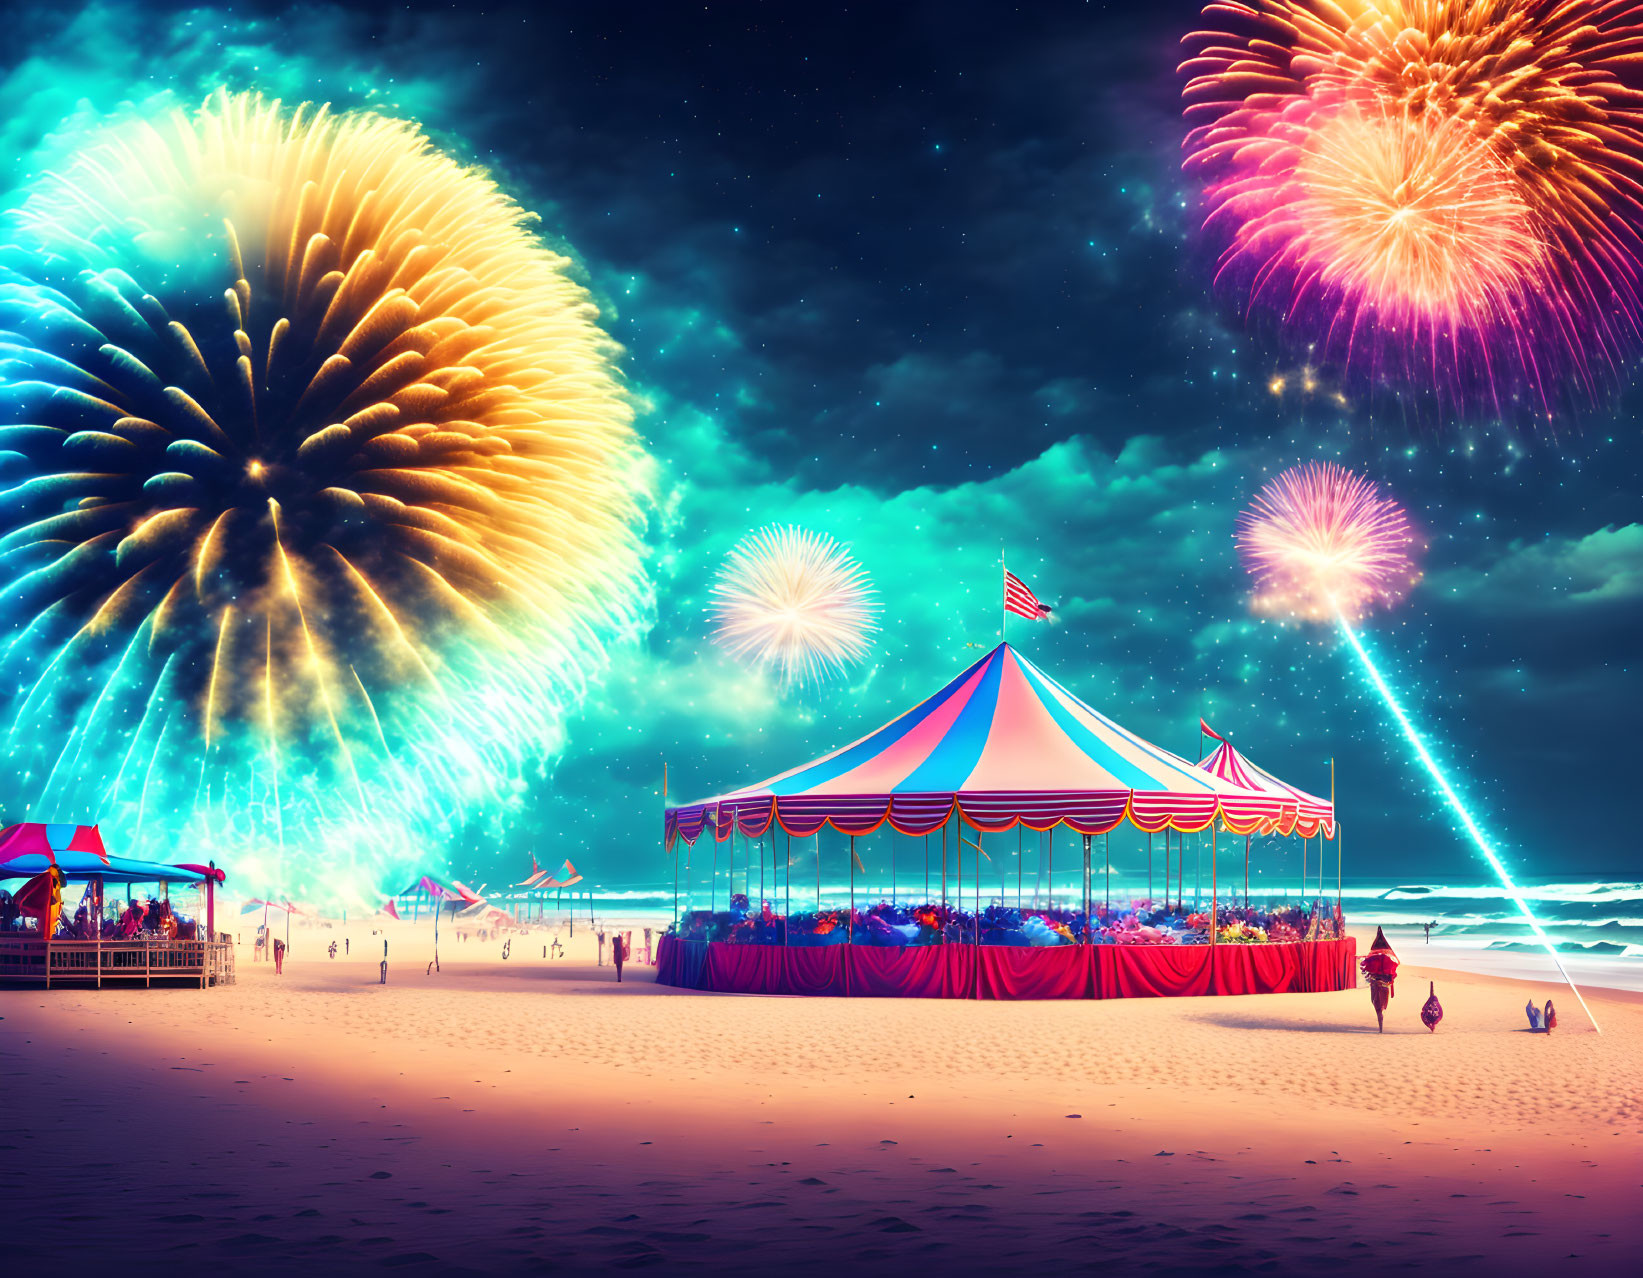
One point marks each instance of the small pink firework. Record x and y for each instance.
(1321, 542)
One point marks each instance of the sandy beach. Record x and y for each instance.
(531, 1115)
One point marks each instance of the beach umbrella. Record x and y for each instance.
(1431, 1010)
(1380, 969)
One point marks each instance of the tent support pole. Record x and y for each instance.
(944, 881)
(1106, 852)
(1214, 894)
(850, 937)
(1181, 871)
(1087, 838)
(1246, 870)
(1149, 870)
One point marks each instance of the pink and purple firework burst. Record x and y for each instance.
(1438, 195)
(1321, 542)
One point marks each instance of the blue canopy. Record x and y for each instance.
(79, 867)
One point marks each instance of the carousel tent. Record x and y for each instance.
(1002, 744)
(1304, 814)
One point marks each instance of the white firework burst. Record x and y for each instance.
(794, 602)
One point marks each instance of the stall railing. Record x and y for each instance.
(32, 959)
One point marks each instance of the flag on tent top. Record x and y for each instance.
(534, 876)
(1205, 730)
(390, 910)
(1022, 601)
(566, 876)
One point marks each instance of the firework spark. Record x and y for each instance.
(1324, 545)
(320, 488)
(1445, 192)
(794, 601)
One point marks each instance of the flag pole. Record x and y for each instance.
(1336, 817)
(1004, 594)
(675, 848)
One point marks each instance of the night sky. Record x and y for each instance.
(927, 278)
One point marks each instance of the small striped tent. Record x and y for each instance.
(1302, 813)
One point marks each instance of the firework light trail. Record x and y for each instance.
(320, 494)
(796, 602)
(1322, 544)
(1441, 194)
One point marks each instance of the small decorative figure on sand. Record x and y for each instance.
(1431, 1010)
(1380, 968)
(1533, 1013)
(1549, 1021)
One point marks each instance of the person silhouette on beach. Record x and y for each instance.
(618, 952)
(601, 935)
(1429, 927)
(558, 949)
(279, 957)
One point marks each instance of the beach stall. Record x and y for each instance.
(120, 928)
(1002, 748)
